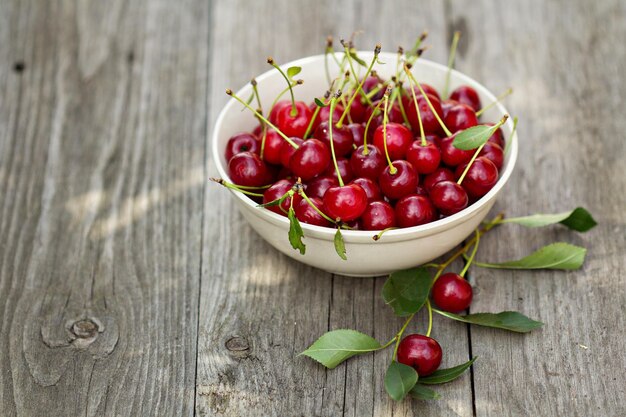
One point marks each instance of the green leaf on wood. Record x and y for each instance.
(406, 291)
(441, 376)
(507, 320)
(578, 219)
(295, 232)
(422, 392)
(473, 137)
(555, 256)
(340, 246)
(293, 71)
(336, 346)
(399, 380)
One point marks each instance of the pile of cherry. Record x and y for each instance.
(398, 174)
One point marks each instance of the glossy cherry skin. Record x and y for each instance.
(307, 214)
(421, 352)
(292, 125)
(425, 159)
(378, 215)
(276, 191)
(494, 153)
(242, 142)
(345, 203)
(368, 165)
(342, 138)
(310, 159)
(446, 105)
(357, 110)
(344, 169)
(287, 151)
(318, 186)
(440, 174)
(428, 89)
(413, 210)
(358, 133)
(430, 123)
(421, 190)
(452, 293)
(449, 197)
(460, 117)
(273, 145)
(467, 95)
(324, 114)
(497, 137)
(248, 169)
(480, 178)
(371, 83)
(394, 115)
(402, 182)
(399, 138)
(370, 187)
(452, 156)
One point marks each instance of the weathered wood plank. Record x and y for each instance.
(259, 309)
(101, 166)
(565, 62)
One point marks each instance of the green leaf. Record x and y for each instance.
(340, 246)
(422, 392)
(473, 137)
(275, 202)
(406, 291)
(295, 232)
(320, 103)
(293, 71)
(354, 56)
(555, 256)
(336, 346)
(399, 380)
(507, 320)
(578, 219)
(441, 376)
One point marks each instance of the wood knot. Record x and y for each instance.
(238, 347)
(85, 331)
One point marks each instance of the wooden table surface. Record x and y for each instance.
(130, 286)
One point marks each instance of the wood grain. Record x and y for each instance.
(101, 167)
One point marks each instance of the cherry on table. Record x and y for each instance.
(449, 197)
(345, 203)
(307, 214)
(440, 174)
(421, 352)
(460, 117)
(399, 139)
(425, 159)
(310, 159)
(481, 176)
(452, 293)
(318, 186)
(378, 215)
(342, 138)
(242, 142)
(292, 125)
(368, 165)
(397, 184)
(466, 95)
(370, 187)
(249, 170)
(413, 210)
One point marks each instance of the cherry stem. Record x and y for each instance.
(392, 169)
(333, 101)
(398, 336)
(507, 144)
(377, 237)
(260, 107)
(480, 148)
(310, 126)
(417, 109)
(471, 258)
(418, 43)
(294, 110)
(375, 90)
(282, 93)
(430, 105)
(347, 56)
(313, 206)
(367, 126)
(455, 42)
(401, 105)
(241, 188)
(430, 318)
(359, 87)
(258, 115)
(496, 101)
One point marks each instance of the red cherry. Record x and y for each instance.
(276, 191)
(292, 125)
(452, 293)
(258, 131)
(466, 95)
(278, 107)
(428, 89)
(420, 190)
(287, 151)
(497, 137)
(370, 187)
(242, 142)
(449, 197)
(344, 169)
(394, 115)
(319, 185)
(425, 159)
(307, 214)
(323, 114)
(440, 174)
(399, 139)
(402, 182)
(480, 178)
(494, 153)
(430, 123)
(446, 105)
(273, 145)
(310, 159)
(342, 138)
(452, 156)
(358, 133)
(345, 203)
(370, 165)
(421, 352)
(248, 169)
(378, 215)
(371, 83)
(460, 117)
(358, 110)
(413, 210)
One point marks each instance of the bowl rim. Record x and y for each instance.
(365, 236)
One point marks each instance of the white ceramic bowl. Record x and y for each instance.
(397, 249)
